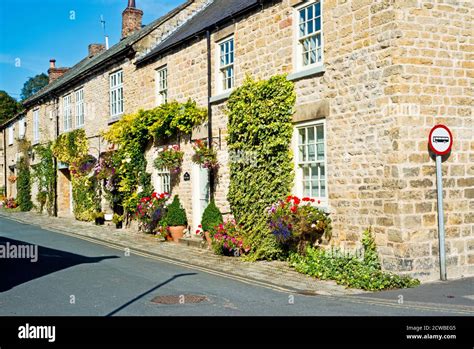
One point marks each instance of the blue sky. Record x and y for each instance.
(34, 31)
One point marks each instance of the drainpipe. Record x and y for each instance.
(5, 161)
(209, 109)
(55, 161)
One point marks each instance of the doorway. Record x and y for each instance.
(201, 193)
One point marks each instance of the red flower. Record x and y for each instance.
(296, 200)
(154, 195)
(199, 226)
(293, 209)
(312, 200)
(288, 198)
(319, 201)
(306, 199)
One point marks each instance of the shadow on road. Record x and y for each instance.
(16, 271)
(148, 292)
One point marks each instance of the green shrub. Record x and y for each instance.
(175, 215)
(23, 185)
(349, 269)
(211, 217)
(260, 127)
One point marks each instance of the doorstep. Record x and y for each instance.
(189, 253)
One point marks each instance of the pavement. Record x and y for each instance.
(276, 274)
(76, 277)
(79, 275)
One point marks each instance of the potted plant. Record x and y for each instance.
(99, 218)
(118, 221)
(169, 158)
(175, 219)
(211, 218)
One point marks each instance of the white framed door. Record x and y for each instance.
(201, 193)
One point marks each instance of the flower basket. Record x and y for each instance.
(204, 156)
(170, 158)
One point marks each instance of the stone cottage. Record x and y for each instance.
(371, 78)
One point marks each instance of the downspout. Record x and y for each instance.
(55, 161)
(209, 110)
(5, 161)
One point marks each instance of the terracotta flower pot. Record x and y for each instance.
(177, 232)
(207, 235)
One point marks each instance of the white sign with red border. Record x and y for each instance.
(440, 140)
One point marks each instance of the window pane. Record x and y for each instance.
(317, 9)
(320, 133)
(314, 189)
(320, 151)
(323, 188)
(306, 188)
(301, 136)
(302, 153)
(318, 24)
(302, 15)
(322, 172)
(310, 27)
(310, 12)
(311, 153)
(311, 135)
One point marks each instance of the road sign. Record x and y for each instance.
(440, 140)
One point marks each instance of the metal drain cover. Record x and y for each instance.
(181, 299)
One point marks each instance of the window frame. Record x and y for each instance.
(79, 107)
(21, 128)
(116, 95)
(221, 85)
(36, 133)
(298, 165)
(67, 112)
(161, 85)
(11, 134)
(298, 45)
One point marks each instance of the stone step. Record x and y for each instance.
(193, 242)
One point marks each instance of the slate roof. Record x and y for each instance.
(88, 64)
(217, 12)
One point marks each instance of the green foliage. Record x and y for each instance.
(371, 257)
(348, 269)
(9, 106)
(33, 85)
(23, 185)
(133, 133)
(172, 118)
(211, 217)
(260, 126)
(73, 148)
(44, 175)
(175, 214)
(169, 158)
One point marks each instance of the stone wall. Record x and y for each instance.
(392, 70)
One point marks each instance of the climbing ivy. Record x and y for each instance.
(260, 128)
(23, 183)
(72, 148)
(44, 174)
(134, 132)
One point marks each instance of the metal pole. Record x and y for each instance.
(442, 250)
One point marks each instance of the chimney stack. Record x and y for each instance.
(95, 49)
(53, 72)
(131, 19)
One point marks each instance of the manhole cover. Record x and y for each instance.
(181, 299)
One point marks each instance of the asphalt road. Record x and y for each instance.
(77, 277)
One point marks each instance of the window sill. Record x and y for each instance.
(114, 119)
(221, 97)
(320, 69)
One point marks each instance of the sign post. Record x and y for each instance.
(440, 142)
